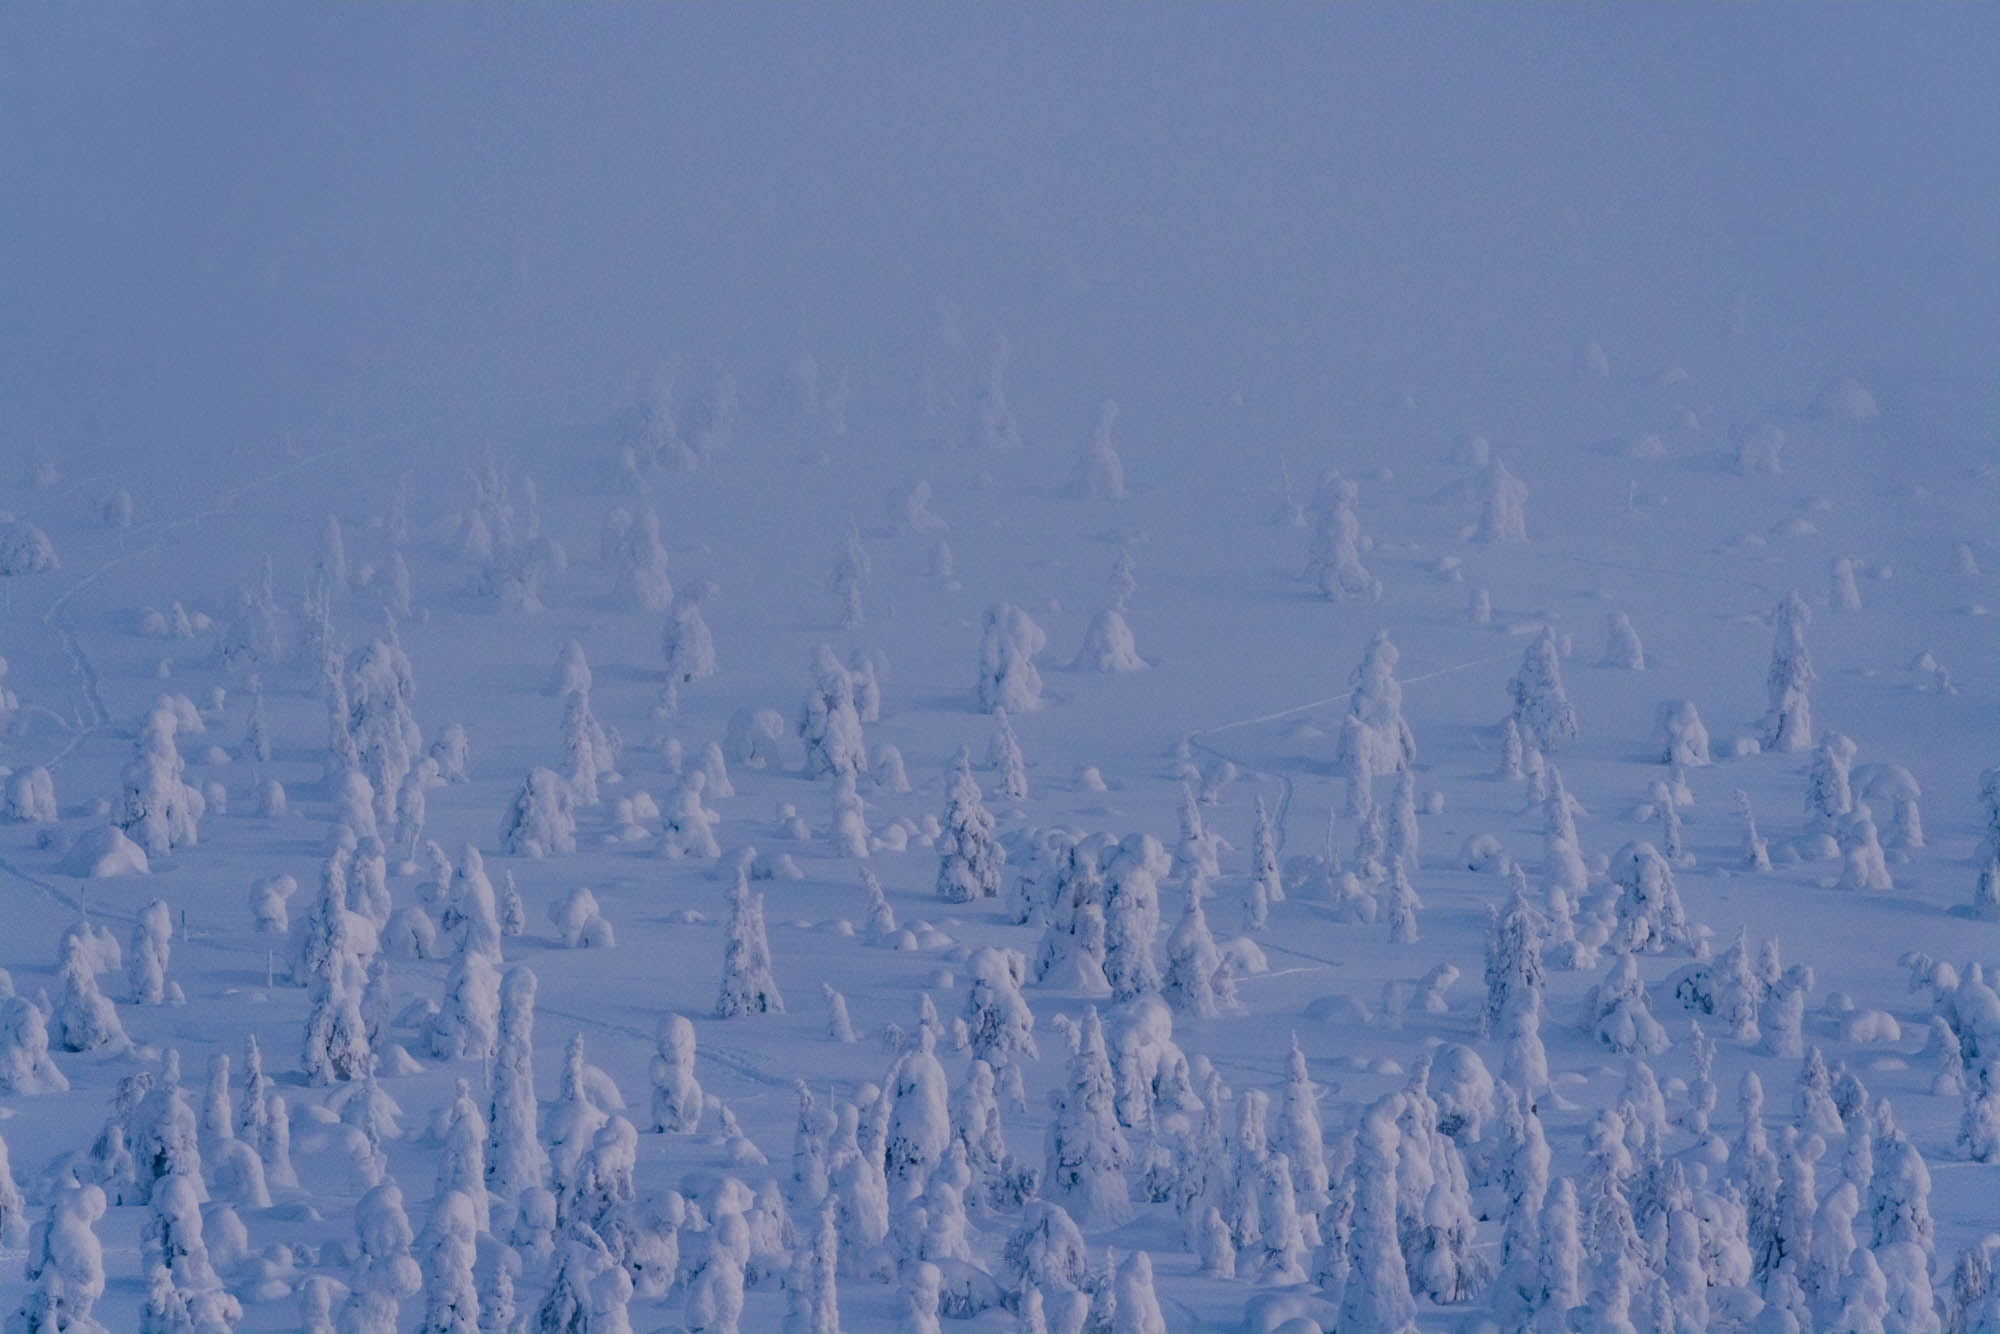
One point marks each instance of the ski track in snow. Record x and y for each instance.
(738, 1059)
(163, 531)
(1198, 741)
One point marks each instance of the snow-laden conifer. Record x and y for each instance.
(971, 858)
(1008, 678)
(1099, 473)
(1788, 724)
(1622, 650)
(829, 723)
(159, 810)
(1503, 502)
(542, 819)
(1375, 739)
(687, 642)
(677, 1095)
(1541, 708)
(748, 986)
(1087, 1151)
(515, 1159)
(1334, 564)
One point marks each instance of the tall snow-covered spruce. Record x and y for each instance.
(972, 859)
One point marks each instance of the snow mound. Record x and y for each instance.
(105, 852)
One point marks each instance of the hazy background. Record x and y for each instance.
(227, 225)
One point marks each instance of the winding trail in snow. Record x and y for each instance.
(737, 1059)
(95, 716)
(82, 670)
(1199, 740)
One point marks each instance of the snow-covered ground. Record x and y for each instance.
(838, 299)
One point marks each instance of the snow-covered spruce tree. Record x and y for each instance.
(25, 1066)
(1132, 916)
(1087, 1151)
(589, 752)
(1526, 1064)
(1727, 987)
(851, 817)
(919, 1123)
(851, 573)
(384, 1271)
(829, 724)
(811, 1287)
(1788, 725)
(1843, 594)
(159, 810)
(1435, 1211)
(677, 1095)
(992, 420)
(687, 642)
(1197, 977)
(31, 794)
(1829, 784)
(971, 858)
(1503, 505)
(1099, 473)
(336, 1046)
(688, 827)
(146, 960)
(1402, 906)
(1863, 866)
(1622, 650)
(999, 1025)
(467, 1024)
(1008, 679)
(1124, 579)
(1899, 1194)
(472, 916)
(1108, 645)
(747, 984)
(1616, 1012)
(1513, 957)
(451, 1250)
(515, 1159)
(1650, 917)
(640, 562)
(84, 1018)
(579, 923)
(1376, 740)
(1404, 838)
(1979, 1124)
(1299, 1137)
(1559, 1285)
(1563, 859)
(65, 1268)
(1782, 1018)
(1264, 868)
(1681, 738)
(542, 819)
(715, 1290)
(1003, 755)
(387, 740)
(1541, 709)
(1197, 852)
(1334, 562)
(1376, 1293)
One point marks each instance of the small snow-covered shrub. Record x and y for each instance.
(1108, 646)
(31, 796)
(25, 549)
(578, 922)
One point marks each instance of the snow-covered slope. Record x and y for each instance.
(839, 299)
